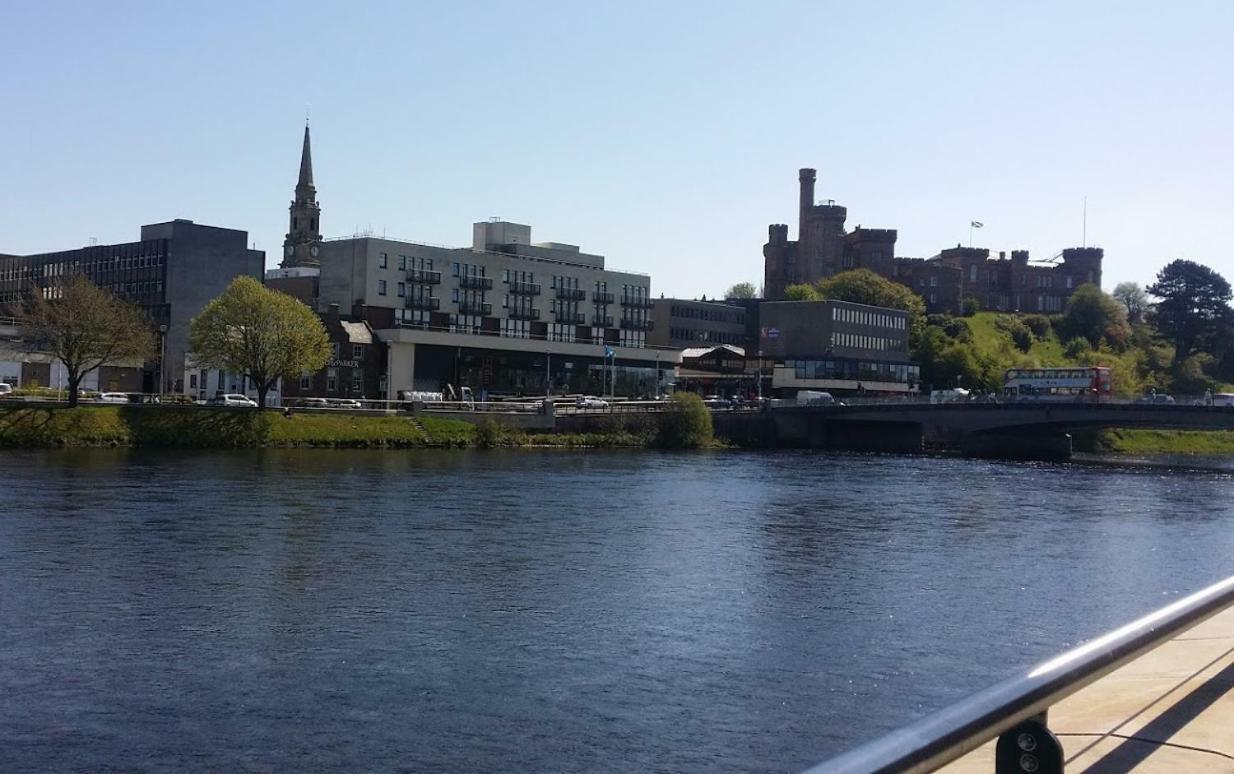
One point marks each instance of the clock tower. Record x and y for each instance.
(302, 247)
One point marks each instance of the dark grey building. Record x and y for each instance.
(836, 346)
(171, 273)
(682, 324)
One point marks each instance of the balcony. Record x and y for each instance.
(475, 308)
(473, 282)
(424, 277)
(601, 297)
(571, 294)
(571, 318)
(524, 289)
(636, 325)
(636, 302)
(431, 303)
(600, 321)
(525, 313)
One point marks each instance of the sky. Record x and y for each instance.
(665, 136)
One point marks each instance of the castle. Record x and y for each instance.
(823, 248)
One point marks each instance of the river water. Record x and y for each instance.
(283, 610)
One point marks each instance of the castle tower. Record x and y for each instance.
(302, 247)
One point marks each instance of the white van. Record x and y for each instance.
(955, 395)
(5, 390)
(1223, 399)
(814, 398)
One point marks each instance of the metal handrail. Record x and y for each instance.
(956, 730)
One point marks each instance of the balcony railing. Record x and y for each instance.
(475, 283)
(424, 277)
(602, 297)
(637, 302)
(525, 288)
(571, 318)
(571, 294)
(476, 308)
(424, 302)
(636, 325)
(525, 313)
(600, 321)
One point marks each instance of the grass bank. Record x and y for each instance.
(198, 427)
(1118, 441)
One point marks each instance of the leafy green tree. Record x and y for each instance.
(1133, 297)
(1193, 307)
(742, 290)
(261, 333)
(685, 423)
(1094, 316)
(1189, 375)
(801, 293)
(862, 286)
(84, 327)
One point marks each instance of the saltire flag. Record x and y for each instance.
(976, 224)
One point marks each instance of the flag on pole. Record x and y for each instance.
(976, 224)
(609, 353)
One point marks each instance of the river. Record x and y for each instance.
(296, 610)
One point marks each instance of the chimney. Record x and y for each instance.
(806, 178)
(332, 311)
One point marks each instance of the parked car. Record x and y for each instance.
(590, 402)
(113, 397)
(312, 402)
(232, 399)
(350, 403)
(5, 390)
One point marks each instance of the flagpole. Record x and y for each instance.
(970, 233)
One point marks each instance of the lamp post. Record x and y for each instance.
(162, 358)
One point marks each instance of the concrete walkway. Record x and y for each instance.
(1171, 710)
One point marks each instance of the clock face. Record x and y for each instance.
(313, 251)
(288, 250)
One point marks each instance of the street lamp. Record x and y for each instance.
(162, 357)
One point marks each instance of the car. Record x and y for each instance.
(1158, 399)
(112, 397)
(815, 398)
(590, 402)
(350, 403)
(232, 399)
(313, 402)
(1223, 399)
(5, 390)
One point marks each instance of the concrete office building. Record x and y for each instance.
(836, 346)
(824, 248)
(683, 323)
(171, 272)
(505, 315)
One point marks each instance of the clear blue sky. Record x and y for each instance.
(665, 136)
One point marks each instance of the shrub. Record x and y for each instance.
(1020, 334)
(1077, 348)
(970, 306)
(490, 433)
(1039, 324)
(685, 423)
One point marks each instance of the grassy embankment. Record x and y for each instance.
(989, 340)
(198, 427)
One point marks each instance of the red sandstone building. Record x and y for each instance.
(824, 248)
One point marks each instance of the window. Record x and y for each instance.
(357, 351)
(383, 260)
(334, 350)
(355, 383)
(972, 272)
(454, 270)
(331, 379)
(402, 263)
(306, 382)
(402, 289)
(381, 287)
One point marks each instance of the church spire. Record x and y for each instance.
(306, 161)
(302, 247)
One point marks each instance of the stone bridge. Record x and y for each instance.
(1025, 430)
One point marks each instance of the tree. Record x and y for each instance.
(1092, 315)
(685, 423)
(84, 327)
(1133, 297)
(862, 286)
(742, 290)
(260, 333)
(801, 293)
(1194, 305)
